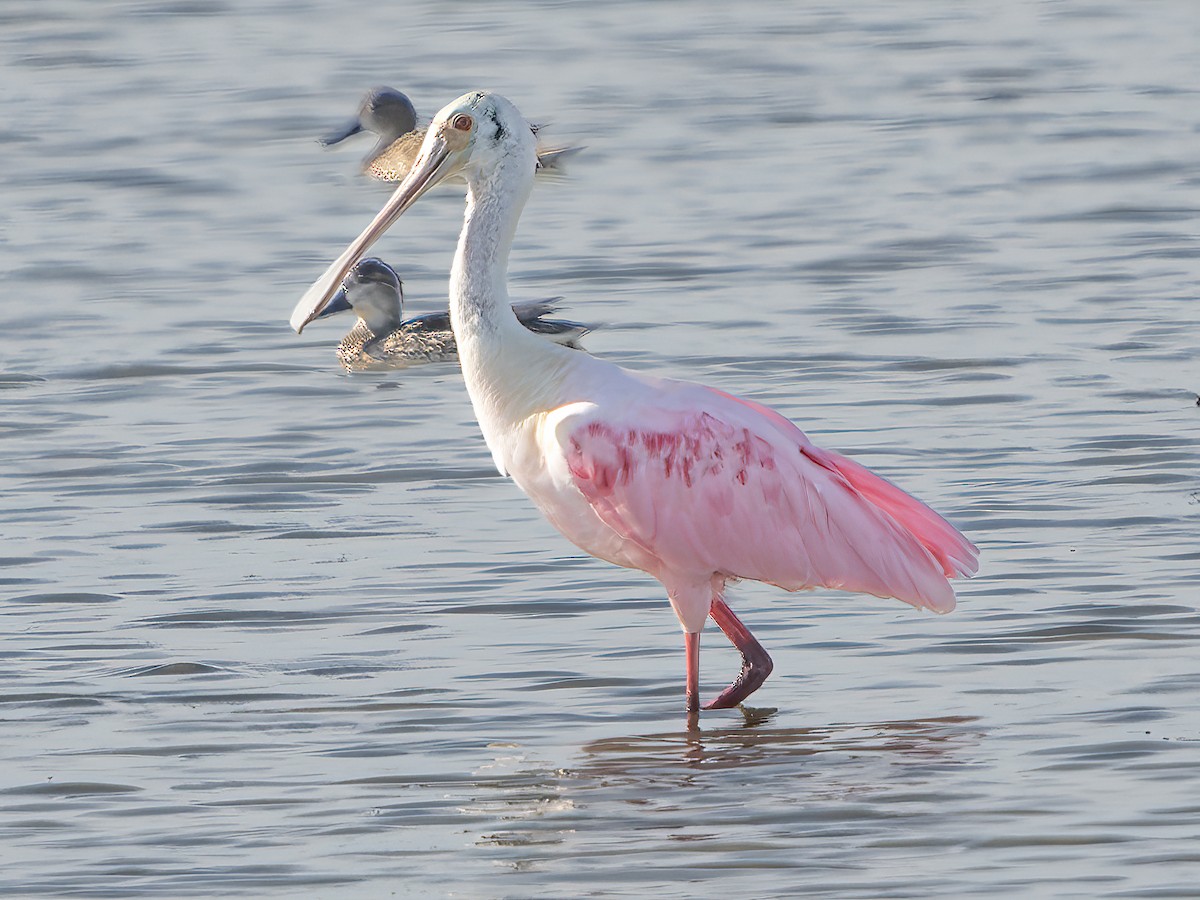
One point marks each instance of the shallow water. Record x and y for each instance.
(272, 630)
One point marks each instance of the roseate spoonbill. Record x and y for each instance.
(390, 115)
(380, 340)
(685, 482)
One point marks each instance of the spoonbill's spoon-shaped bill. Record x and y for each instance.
(439, 157)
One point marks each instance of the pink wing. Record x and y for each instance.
(729, 486)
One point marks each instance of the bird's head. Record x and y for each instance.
(385, 111)
(373, 291)
(477, 133)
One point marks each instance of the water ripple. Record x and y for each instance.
(275, 631)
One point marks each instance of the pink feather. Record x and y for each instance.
(727, 487)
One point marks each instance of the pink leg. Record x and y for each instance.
(691, 642)
(756, 664)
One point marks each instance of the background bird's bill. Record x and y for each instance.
(351, 128)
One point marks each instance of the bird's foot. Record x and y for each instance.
(756, 666)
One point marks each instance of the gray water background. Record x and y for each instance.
(273, 631)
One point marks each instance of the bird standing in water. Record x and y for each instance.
(685, 482)
(390, 115)
(381, 339)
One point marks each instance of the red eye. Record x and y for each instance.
(461, 122)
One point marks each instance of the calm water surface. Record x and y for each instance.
(269, 630)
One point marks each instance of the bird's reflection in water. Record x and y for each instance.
(714, 787)
(753, 742)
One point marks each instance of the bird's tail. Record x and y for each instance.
(532, 314)
(553, 160)
(957, 556)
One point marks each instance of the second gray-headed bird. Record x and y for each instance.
(381, 339)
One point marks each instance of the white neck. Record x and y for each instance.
(479, 275)
(510, 373)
